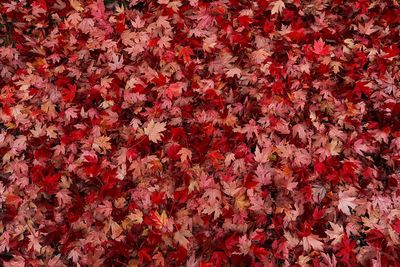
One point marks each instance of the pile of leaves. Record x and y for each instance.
(199, 133)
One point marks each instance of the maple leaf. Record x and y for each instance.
(71, 113)
(86, 25)
(241, 202)
(76, 5)
(318, 192)
(63, 197)
(128, 38)
(117, 62)
(244, 245)
(136, 216)
(74, 19)
(360, 147)
(182, 238)
(215, 157)
(292, 240)
(368, 28)
(165, 42)
(302, 158)
(346, 250)
(213, 195)
(186, 154)
(244, 20)
(159, 259)
(345, 203)
(320, 48)
(69, 94)
(154, 130)
(16, 261)
(300, 131)
(272, 120)
(101, 143)
(34, 243)
(19, 144)
(336, 66)
(55, 261)
(277, 7)
(162, 21)
(174, 90)
(209, 43)
(334, 147)
(138, 22)
(234, 71)
(311, 242)
(105, 209)
(185, 53)
(49, 108)
(329, 261)
(264, 175)
(74, 255)
(116, 230)
(336, 234)
(261, 157)
(162, 221)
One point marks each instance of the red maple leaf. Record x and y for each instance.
(69, 94)
(320, 48)
(185, 53)
(346, 251)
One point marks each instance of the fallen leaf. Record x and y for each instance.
(154, 130)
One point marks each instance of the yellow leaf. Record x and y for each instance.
(334, 147)
(241, 202)
(162, 219)
(10, 125)
(287, 170)
(230, 120)
(155, 165)
(133, 263)
(101, 143)
(76, 5)
(47, 107)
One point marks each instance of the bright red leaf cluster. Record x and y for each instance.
(199, 133)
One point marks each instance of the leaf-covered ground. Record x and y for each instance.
(199, 133)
